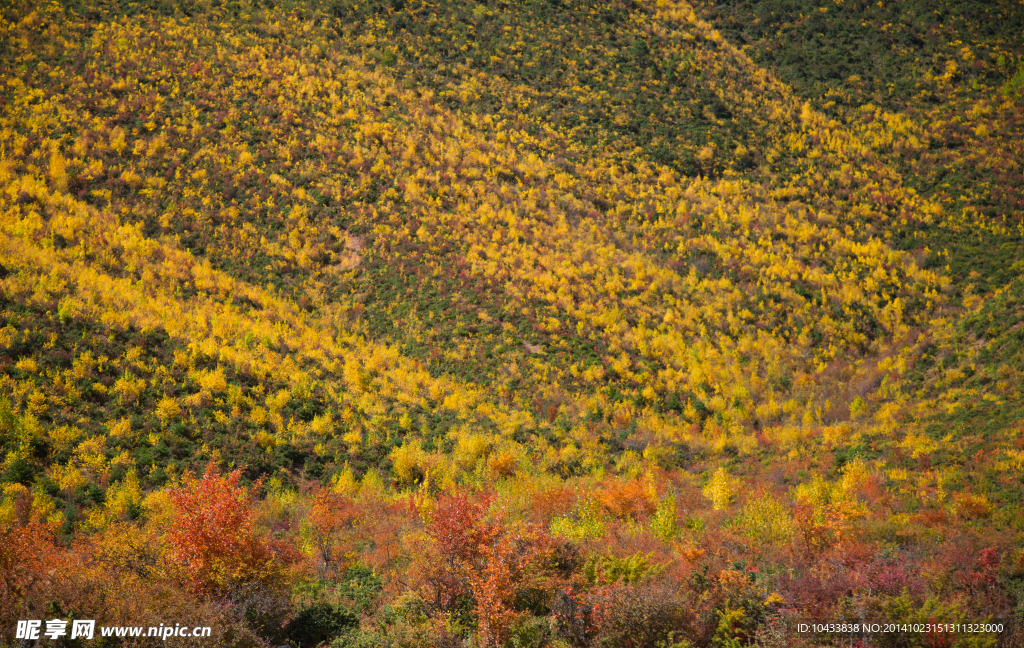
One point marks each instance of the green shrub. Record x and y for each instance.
(319, 623)
(1015, 84)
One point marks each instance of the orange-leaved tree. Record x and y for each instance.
(505, 568)
(484, 559)
(330, 514)
(33, 568)
(214, 540)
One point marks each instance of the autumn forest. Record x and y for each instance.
(513, 323)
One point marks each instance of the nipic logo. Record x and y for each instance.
(55, 629)
(85, 629)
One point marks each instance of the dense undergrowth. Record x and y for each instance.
(537, 323)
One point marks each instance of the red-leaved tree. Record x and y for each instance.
(32, 566)
(484, 560)
(214, 540)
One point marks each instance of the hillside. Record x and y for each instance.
(513, 323)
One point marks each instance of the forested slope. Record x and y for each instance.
(536, 323)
